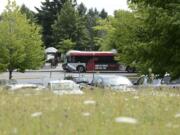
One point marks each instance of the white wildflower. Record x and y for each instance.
(86, 114)
(87, 102)
(175, 126)
(166, 109)
(126, 99)
(177, 115)
(136, 97)
(172, 95)
(27, 95)
(60, 124)
(36, 114)
(126, 120)
(14, 131)
(169, 125)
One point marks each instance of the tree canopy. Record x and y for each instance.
(69, 26)
(161, 50)
(46, 16)
(148, 36)
(29, 14)
(20, 41)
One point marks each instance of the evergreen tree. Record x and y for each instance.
(103, 14)
(29, 14)
(82, 9)
(95, 35)
(46, 16)
(69, 26)
(92, 17)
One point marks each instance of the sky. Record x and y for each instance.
(109, 5)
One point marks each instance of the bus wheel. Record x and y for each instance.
(80, 69)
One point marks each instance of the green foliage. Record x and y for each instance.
(123, 37)
(46, 16)
(74, 23)
(69, 25)
(148, 35)
(92, 18)
(66, 45)
(82, 9)
(29, 14)
(20, 41)
(103, 14)
(156, 3)
(161, 48)
(104, 28)
(121, 31)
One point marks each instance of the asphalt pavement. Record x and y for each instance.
(44, 75)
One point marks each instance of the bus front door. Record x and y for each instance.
(90, 65)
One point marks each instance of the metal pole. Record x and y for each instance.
(50, 74)
(94, 66)
(64, 74)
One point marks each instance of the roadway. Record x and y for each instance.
(44, 75)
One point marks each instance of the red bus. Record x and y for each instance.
(83, 61)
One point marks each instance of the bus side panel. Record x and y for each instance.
(113, 67)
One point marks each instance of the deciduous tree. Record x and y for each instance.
(29, 13)
(20, 41)
(161, 47)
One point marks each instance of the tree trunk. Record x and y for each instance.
(10, 74)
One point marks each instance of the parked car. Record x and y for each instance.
(167, 81)
(145, 81)
(4, 82)
(112, 81)
(80, 80)
(61, 87)
(24, 86)
(77, 79)
(83, 82)
(68, 67)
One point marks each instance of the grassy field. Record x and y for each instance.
(156, 112)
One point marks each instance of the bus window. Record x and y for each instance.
(68, 59)
(107, 60)
(71, 59)
(82, 59)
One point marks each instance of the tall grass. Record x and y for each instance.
(156, 111)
